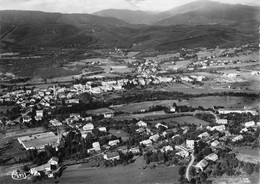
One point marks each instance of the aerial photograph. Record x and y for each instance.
(129, 91)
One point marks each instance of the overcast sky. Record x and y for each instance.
(90, 6)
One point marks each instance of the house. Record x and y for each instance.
(249, 124)
(108, 115)
(190, 144)
(112, 156)
(147, 142)
(220, 128)
(87, 118)
(140, 130)
(135, 150)
(55, 122)
(215, 143)
(202, 164)
(154, 137)
(27, 119)
(39, 113)
(96, 145)
(166, 148)
(239, 137)
(113, 143)
(88, 127)
(141, 124)
(159, 124)
(102, 129)
(183, 153)
(54, 161)
(212, 157)
(204, 135)
(221, 121)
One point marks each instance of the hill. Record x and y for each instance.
(130, 16)
(34, 28)
(21, 30)
(209, 12)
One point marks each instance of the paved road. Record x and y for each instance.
(188, 168)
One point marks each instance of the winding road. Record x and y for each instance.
(188, 168)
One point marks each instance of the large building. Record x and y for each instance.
(38, 141)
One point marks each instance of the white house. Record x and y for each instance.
(147, 142)
(202, 164)
(159, 124)
(112, 156)
(220, 128)
(204, 135)
(183, 153)
(249, 124)
(221, 121)
(141, 124)
(190, 144)
(102, 129)
(215, 143)
(39, 113)
(88, 127)
(239, 137)
(154, 137)
(113, 143)
(212, 157)
(166, 148)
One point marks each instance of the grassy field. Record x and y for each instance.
(225, 101)
(181, 120)
(119, 133)
(130, 174)
(134, 107)
(247, 154)
(5, 108)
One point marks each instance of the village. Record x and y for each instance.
(147, 115)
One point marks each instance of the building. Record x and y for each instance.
(88, 127)
(228, 111)
(221, 121)
(159, 124)
(55, 122)
(202, 164)
(52, 163)
(39, 113)
(141, 124)
(147, 142)
(183, 153)
(112, 156)
(220, 128)
(154, 137)
(113, 143)
(215, 143)
(166, 148)
(135, 150)
(102, 129)
(237, 138)
(212, 157)
(38, 141)
(249, 124)
(140, 130)
(204, 135)
(190, 144)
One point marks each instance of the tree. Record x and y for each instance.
(248, 168)
(182, 170)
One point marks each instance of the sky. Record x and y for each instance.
(90, 6)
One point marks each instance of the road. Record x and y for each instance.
(188, 168)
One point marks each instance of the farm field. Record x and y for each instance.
(130, 174)
(134, 107)
(5, 108)
(225, 101)
(119, 133)
(181, 120)
(247, 154)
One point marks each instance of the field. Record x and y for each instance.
(5, 108)
(247, 154)
(225, 101)
(181, 120)
(243, 179)
(130, 174)
(134, 107)
(119, 133)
